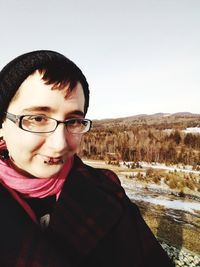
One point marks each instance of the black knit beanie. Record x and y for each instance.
(60, 69)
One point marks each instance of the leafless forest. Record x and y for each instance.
(151, 138)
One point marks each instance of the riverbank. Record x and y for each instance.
(177, 230)
(174, 220)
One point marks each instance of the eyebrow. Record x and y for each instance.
(48, 109)
(37, 108)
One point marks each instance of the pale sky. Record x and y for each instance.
(139, 56)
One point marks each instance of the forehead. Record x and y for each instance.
(33, 92)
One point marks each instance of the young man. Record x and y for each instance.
(55, 210)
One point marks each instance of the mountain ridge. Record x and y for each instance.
(189, 119)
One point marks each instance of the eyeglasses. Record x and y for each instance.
(44, 124)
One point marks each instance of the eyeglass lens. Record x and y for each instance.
(41, 124)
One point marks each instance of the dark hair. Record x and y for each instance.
(55, 67)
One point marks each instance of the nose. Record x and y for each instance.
(57, 140)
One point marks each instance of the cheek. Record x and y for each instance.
(21, 142)
(12, 138)
(74, 141)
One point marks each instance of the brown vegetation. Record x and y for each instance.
(147, 138)
(183, 183)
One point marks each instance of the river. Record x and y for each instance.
(173, 219)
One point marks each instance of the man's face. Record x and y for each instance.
(29, 151)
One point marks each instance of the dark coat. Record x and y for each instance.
(94, 224)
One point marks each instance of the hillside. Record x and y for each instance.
(178, 120)
(163, 138)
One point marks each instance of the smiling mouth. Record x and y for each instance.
(53, 161)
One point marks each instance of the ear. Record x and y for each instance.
(1, 134)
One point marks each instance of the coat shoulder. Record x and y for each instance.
(97, 173)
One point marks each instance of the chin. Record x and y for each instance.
(45, 174)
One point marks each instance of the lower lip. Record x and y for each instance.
(53, 161)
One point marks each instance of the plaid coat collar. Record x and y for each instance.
(85, 212)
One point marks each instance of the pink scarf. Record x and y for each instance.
(32, 187)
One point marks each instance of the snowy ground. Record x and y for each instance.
(187, 169)
(192, 130)
(158, 194)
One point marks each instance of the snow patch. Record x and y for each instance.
(192, 130)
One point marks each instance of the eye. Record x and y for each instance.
(84, 122)
(74, 121)
(38, 118)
